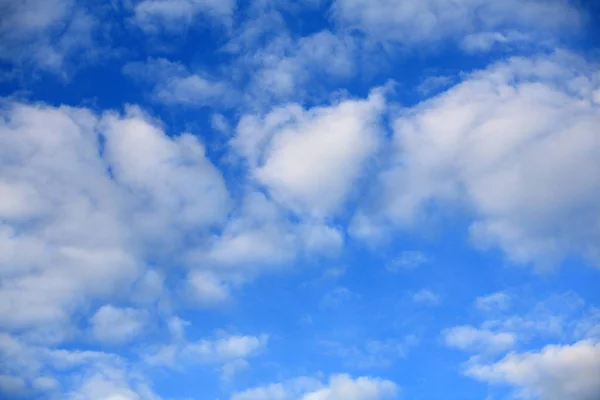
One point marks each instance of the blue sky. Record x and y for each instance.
(299, 200)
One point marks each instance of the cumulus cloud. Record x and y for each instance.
(515, 145)
(99, 193)
(428, 22)
(556, 372)
(339, 387)
(310, 159)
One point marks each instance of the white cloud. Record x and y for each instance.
(427, 297)
(112, 383)
(476, 340)
(485, 41)
(556, 372)
(100, 194)
(339, 387)
(261, 236)
(172, 83)
(227, 348)
(91, 375)
(176, 15)
(435, 83)
(230, 353)
(310, 159)
(285, 68)
(427, 22)
(112, 325)
(206, 288)
(516, 145)
(498, 301)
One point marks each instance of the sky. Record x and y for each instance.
(299, 200)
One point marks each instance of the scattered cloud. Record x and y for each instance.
(230, 353)
(339, 387)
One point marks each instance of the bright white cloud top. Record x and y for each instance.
(312, 200)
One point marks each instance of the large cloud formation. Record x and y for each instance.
(517, 147)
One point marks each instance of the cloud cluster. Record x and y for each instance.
(88, 201)
(556, 371)
(229, 353)
(339, 387)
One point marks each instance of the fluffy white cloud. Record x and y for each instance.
(87, 199)
(473, 339)
(516, 145)
(425, 22)
(175, 15)
(339, 387)
(114, 325)
(260, 236)
(112, 383)
(554, 373)
(310, 159)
